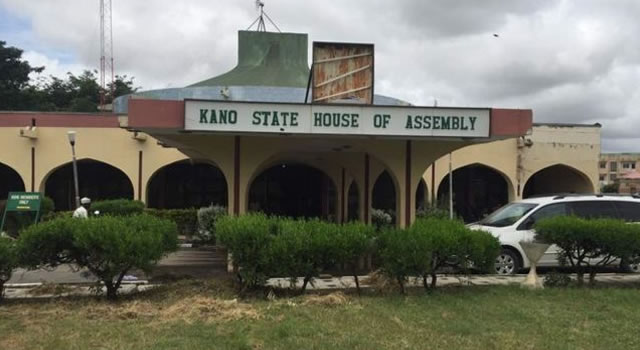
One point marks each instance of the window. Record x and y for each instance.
(628, 165)
(603, 165)
(603, 177)
(593, 209)
(507, 215)
(629, 211)
(613, 166)
(613, 177)
(545, 212)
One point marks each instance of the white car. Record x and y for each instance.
(514, 223)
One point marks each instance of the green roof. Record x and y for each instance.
(267, 59)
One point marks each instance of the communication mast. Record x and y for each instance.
(260, 20)
(106, 52)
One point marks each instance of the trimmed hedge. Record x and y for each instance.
(108, 246)
(586, 244)
(185, 219)
(263, 247)
(8, 261)
(432, 244)
(207, 217)
(118, 207)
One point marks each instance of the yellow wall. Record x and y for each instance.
(577, 147)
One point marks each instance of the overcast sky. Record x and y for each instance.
(570, 61)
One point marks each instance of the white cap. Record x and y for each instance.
(85, 200)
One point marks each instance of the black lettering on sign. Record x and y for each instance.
(256, 118)
(473, 122)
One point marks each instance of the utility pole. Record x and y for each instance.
(106, 52)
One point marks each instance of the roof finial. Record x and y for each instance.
(260, 20)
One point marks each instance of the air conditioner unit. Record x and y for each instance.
(29, 132)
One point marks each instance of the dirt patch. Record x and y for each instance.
(209, 309)
(190, 309)
(333, 299)
(380, 282)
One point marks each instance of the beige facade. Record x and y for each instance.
(612, 166)
(558, 158)
(552, 158)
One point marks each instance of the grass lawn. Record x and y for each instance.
(203, 315)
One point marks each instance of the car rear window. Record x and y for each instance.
(593, 209)
(629, 211)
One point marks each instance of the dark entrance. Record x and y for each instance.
(353, 198)
(10, 181)
(477, 191)
(384, 195)
(96, 180)
(294, 190)
(557, 179)
(187, 184)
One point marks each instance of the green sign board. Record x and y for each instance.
(22, 209)
(21, 201)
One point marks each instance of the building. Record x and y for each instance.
(613, 166)
(247, 140)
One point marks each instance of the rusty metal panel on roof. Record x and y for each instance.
(342, 72)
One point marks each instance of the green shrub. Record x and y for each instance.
(587, 244)
(249, 239)
(185, 219)
(432, 212)
(107, 246)
(405, 253)
(303, 248)
(353, 240)
(432, 244)
(118, 207)
(381, 219)
(207, 217)
(8, 261)
(47, 208)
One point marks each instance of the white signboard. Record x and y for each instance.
(228, 116)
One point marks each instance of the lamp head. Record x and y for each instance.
(71, 135)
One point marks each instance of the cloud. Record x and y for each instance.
(572, 61)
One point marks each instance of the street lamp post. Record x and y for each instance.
(71, 135)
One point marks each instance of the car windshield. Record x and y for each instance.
(507, 215)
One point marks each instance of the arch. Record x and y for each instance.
(478, 190)
(353, 202)
(557, 178)
(96, 180)
(294, 189)
(10, 181)
(422, 195)
(384, 195)
(187, 184)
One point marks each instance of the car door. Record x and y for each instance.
(550, 257)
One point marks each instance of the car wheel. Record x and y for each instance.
(634, 268)
(507, 262)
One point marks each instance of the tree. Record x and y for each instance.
(611, 188)
(122, 85)
(108, 246)
(14, 78)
